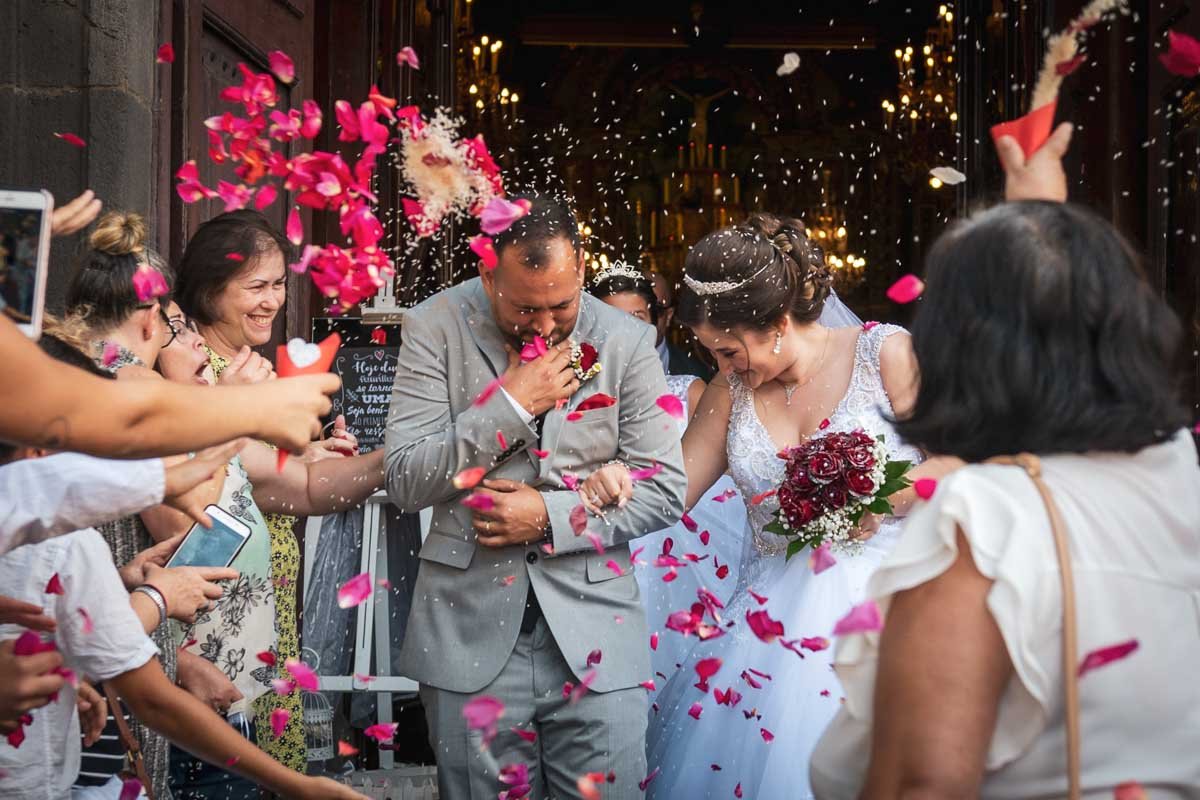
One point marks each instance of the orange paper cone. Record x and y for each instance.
(1031, 131)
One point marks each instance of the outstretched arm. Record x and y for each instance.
(312, 488)
(64, 408)
(704, 454)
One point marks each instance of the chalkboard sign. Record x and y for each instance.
(366, 364)
(367, 374)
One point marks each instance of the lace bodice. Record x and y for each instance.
(678, 386)
(753, 460)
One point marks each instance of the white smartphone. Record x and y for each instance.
(24, 256)
(215, 547)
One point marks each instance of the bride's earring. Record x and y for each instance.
(778, 343)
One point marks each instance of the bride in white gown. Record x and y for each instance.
(753, 295)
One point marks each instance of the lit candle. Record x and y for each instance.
(679, 225)
(708, 158)
(687, 182)
(666, 191)
(653, 229)
(681, 156)
(737, 190)
(724, 164)
(691, 154)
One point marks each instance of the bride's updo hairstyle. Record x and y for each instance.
(750, 275)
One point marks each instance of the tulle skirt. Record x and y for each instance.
(765, 741)
(717, 570)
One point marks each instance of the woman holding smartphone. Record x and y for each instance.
(252, 617)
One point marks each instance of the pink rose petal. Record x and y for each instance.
(306, 679)
(578, 519)
(615, 567)
(279, 721)
(266, 657)
(281, 64)
(165, 54)
(1130, 790)
(705, 668)
(906, 289)
(295, 229)
(570, 481)
(1107, 655)
(282, 686)
(671, 404)
(345, 749)
(499, 214)
(408, 56)
(654, 641)
(54, 585)
(863, 618)
(645, 472)
(88, 625)
(482, 713)
(765, 628)
(821, 559)
(354, 591)
(1182, 56)
(482, 247)
(148, 283)
(695, 711)
(479, 502)
(469, 478)
(382, 731)
(767, 736)
(488, 391)
(131, 789)
(71, 138)
(725, 495)
(529, 736)
(925, 487)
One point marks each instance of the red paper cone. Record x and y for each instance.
(1031, 131)
(284, 368)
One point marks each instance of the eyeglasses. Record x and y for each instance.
(177, 327)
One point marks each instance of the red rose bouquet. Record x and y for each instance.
(830, 483)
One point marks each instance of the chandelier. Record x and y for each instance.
(924, 110)
(484, 90)
(827, 228)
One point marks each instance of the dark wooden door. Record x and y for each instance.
(211, 38)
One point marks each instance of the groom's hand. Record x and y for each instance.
(538, 385)
(518, 515)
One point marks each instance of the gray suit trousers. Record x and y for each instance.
(602, 732)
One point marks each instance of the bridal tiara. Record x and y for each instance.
(618, 269)
(706, 288)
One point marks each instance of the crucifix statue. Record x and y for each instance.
(700, 106)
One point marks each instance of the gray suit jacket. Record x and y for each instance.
(469, 600)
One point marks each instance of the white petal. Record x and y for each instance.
(948, 175)
(791, 62)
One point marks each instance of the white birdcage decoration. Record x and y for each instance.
(318, 715)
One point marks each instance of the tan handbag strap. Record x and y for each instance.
(1070, 640)
(133, 749)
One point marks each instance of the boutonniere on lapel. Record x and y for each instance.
(585, 361)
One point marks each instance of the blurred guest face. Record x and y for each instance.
(249, 303)
(184, 359)
(541, 301)
(666, 304)
(747, 353)
(631, 303)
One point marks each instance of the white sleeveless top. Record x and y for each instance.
(1133, 523)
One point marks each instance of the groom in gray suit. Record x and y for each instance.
(514, 598)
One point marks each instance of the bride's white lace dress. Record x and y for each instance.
(764, 741)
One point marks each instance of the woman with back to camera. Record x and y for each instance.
(753, 294)
(1040, 334)
(715, 529)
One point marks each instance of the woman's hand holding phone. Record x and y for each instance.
(188, 590)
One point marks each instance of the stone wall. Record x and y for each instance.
(85, 67)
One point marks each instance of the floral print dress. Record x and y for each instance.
(289, 748)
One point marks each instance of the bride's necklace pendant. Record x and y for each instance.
(788, 391)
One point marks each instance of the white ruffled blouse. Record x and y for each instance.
(1133, 522)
